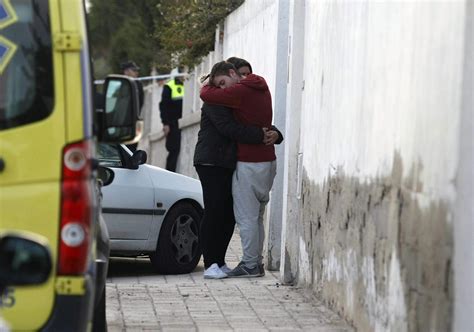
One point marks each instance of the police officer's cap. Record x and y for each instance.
(129, 65)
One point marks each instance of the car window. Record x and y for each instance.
(109, 155)
(26, 63)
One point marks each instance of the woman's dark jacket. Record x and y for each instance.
(218, 135)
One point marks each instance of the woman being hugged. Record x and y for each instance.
(250, 100)
(215, 158)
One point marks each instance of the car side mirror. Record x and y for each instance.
(24, 260)
(106, 175)
(120, 120)
(139, 157)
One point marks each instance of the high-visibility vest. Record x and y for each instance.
(177, 90)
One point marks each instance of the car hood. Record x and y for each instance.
(181, 185)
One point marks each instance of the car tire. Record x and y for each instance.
(99, 322)
(178, 250)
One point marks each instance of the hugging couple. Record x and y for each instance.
(236, 163)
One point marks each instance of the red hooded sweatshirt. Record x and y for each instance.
(251, 102)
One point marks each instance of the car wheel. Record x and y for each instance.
(178, 250)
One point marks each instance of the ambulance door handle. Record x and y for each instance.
(2, 164)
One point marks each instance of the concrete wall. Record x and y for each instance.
(464, 215)
(380, 130)
(153, 139)
(250, 32)
(291, 207)
(372, 205)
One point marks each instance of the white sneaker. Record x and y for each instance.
(214, 272)
(224, 268)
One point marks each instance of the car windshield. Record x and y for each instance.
(109, 155)
(26, 63)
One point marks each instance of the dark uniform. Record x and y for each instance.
(171, 110)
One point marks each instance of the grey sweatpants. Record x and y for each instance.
(251, 185)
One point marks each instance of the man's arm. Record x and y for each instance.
(229, 97)
(226, 124)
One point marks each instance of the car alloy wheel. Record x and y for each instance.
(178, 249)
(185, 238)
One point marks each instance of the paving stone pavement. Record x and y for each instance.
(139, 299)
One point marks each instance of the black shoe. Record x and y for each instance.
(261, 269)
(241, 271)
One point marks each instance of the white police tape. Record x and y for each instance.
(154, 77)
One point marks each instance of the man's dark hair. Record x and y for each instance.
(239, 63)
(220, 68)
(129, 65)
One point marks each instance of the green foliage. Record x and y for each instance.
(188, 28)
(122, 30)
(154, 33)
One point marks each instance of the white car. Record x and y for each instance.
(151, 211)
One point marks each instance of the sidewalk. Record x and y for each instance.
(138, 299)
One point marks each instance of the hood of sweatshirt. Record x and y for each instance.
(255, 82)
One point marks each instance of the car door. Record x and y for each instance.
(128, 202)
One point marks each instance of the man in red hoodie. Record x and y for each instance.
(252, 181)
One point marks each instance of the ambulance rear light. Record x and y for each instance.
(76, 208)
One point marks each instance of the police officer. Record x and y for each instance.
(131, 69)
(171, 109)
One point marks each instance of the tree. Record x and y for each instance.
(187, 32)
(124, 30)
(159, 34)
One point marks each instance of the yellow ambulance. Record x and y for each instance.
(49, 183)
(25, 259)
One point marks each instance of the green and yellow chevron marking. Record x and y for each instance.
(7, 14)
(7, 49)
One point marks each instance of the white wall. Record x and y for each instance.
(291, 206)
(464, 216)
(251, 33)
(383, 77)
(383, 85)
